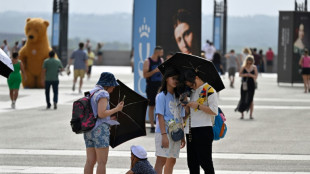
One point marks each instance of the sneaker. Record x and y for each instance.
(48, 106)
(152, 130)
(55, 105)
(73, 88)
(13, 105)
(80, 91)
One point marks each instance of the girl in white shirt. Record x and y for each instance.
(203, 108)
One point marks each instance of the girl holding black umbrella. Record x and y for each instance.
(97, 140)
(203, 107)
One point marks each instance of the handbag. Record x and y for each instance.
(176, 129)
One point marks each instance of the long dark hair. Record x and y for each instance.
(163, 88)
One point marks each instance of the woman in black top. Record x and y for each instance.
(248, 72)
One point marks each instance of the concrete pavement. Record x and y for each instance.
(36, 140)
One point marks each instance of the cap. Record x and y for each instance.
(107, 79)
(139, 152)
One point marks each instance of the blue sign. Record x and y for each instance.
(55, 29)
(217, 32)
(144, 39)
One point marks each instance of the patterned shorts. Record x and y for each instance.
(98, 137)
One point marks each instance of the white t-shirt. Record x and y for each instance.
(199, 118)
(209, 51)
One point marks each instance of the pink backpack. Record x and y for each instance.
(83, 119)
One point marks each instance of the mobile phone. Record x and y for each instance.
(124, 98)
(184, 102)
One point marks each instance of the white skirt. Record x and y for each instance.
(172, 152)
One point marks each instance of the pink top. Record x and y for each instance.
(306, 62)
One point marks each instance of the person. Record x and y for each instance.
(132, 59)
(97, 140)
(80, 65)
(248, 72)
(269, 57)
(299, 45)
(139, 162)
(233, 66)
(15, 79)
(217, 63)
(183, 32)
(15, 49)
(5, 47)
(245, 53)
(90, 61)
(257, 59)
(50, 72)
(304, 62)
(153, 80)
(200, 113)
(168, 110)
(169, 55)
(209, 50)
(99, 52)
(262, 61)
(87, 44)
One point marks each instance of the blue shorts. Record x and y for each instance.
(98, 137)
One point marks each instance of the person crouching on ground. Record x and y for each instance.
(97, 140)
(139, 162)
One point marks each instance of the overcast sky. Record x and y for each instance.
(235, 7)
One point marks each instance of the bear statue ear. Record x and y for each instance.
(28, 19)
(46, 23)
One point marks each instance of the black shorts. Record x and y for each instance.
(269, 62)
(151, 92)
(305, 71)
(232, 71)
(89, 69)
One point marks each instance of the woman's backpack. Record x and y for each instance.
(219, 127)
(83, 119)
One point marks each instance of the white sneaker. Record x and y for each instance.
(13, 105)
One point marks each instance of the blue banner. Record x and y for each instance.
(144, 39)
(217, 32)
(55, 30)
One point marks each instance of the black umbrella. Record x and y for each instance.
(131, 118)
(204, 68)
(6, 66)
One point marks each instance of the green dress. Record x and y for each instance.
(15, 77)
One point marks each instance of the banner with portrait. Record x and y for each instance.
(301, 41)
(179, 26)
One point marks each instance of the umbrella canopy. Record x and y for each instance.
(204, 68)
(6, 66)
(131, 118)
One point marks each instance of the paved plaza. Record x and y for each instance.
(277, 141)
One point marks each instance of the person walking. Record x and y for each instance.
(80, 65)
(217, 63)
(5, 47)
(200, 112)
(304, 62)
(248, 72)
(139, 162)
(15, 49)
(257, 59)
(168, 111)
(15, 79)
(97, 140)
(99, 52)
(153, 80)
(90, 61)
(209, 50)
(50, 72)
(269, 57)
(233, 66)
(262, 61)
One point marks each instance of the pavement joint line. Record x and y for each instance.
(79, 170)
(267, 99)
(115, 153)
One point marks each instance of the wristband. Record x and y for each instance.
(163, 133)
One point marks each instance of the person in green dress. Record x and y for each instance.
(15, 78)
